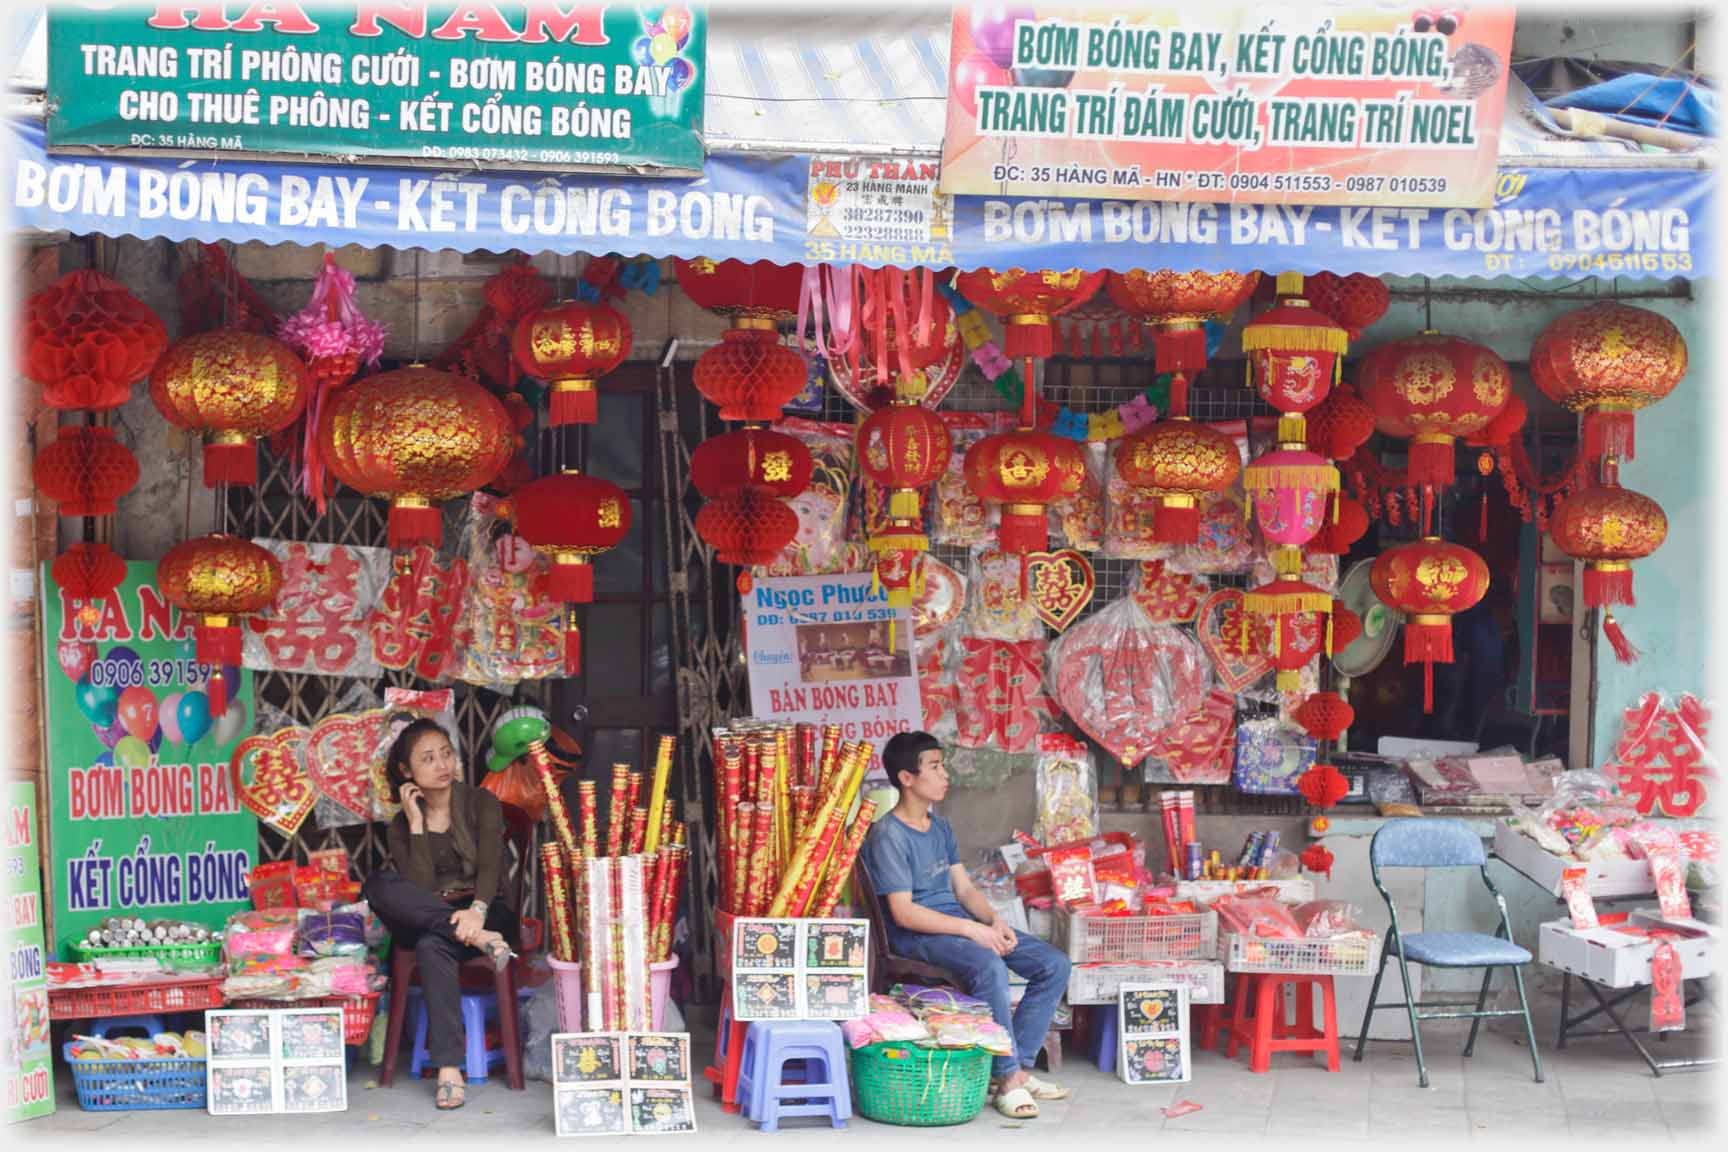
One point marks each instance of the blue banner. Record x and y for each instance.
(1574, 222)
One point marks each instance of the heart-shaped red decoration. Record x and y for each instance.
(1124, 681)
(1198, 749)
(1219, 627)
(1060, 585)
(339, 755)
(1168, 597)
(270, 776)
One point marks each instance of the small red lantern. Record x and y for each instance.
(1176, 306)
(233, 386)
(1347, 524)
(1339, 424)
(571, 518)
(88, 574)
(750, 374)
(1026, 301)
(745, 292)
(1024, 471)
(755, 456)
(902, 448)
(1432, 389)
(1608, 527)
(1356, 301)
(1323, 786)
(1608, 362)
(572, 345)
(1430, 581)
(87, 340)
(219, 578)
(1318, 858)
(1299, 626)
(1325, 715)
(1294, 354)
(85, 470)
(1179, 462)
(748, 526)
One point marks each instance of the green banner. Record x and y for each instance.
(144, 818)
(30, 1057)
(542, 85)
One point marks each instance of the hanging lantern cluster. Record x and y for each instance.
(1430, 580)
(902, 448)
(1608, 527)
(570, 346)
(1295, 353)
(1179, 463)
(1355, 301)
(1325, 716)
(747, 476)
(571, 518)
(1176, 307)
(1024, 472)
(1608, 362)
(1027, 301)
(1433, 389)
(1339, 424)
(220, 579)
(417, 437)
(85, 470)
(750, 375)
(232, 387)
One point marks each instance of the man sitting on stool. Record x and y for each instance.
(935, 914)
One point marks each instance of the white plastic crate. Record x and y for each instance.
(1352, 955)
(1110, 939)
(1100, 983)
(1296, 890)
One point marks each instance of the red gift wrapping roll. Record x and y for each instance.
(761, 833)
(542, 763)
(744, 822)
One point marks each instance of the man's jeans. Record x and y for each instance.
(985, 975)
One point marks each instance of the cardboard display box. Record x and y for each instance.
(1606, 877)
(1614, 959)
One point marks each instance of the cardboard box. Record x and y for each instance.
(1614, 959)
(1606, 877)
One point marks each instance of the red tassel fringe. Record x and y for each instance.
(410, 526)
(574, 408)
(571, 583)
(1174, 525)
(1432, 464)
(217, 690)
(235, 464)
(1427, 644)
(1035, 340)
(1610, 434)
(1618, 640)
(1604, 588)
(1183, 350)
(1020, 534)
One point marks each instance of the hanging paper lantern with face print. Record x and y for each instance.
(1430, 580)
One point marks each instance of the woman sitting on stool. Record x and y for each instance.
(445, 897)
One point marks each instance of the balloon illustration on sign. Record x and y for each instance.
(232, 724)
(76, 656)
(168, 716)
(98, 702)
(132, 752)
(125, 667)
(138, 712)
(971, 74)
(194, 716)
(993, 30)
(110, 734)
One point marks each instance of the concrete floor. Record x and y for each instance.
(1595, 1090)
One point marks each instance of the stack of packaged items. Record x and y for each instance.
(321, 883)
(929, 1018)
(301, 953)
(1483, 781)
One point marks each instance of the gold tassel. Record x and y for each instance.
(903, 503)
(1294, 338)
(1286, 603)
(1289, 681)
(1289, 283)
(1328, 635)
(1292, 428)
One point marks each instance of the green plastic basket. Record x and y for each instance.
(174, 955)
(920, 1087)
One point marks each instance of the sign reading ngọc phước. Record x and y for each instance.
(566, 86)
(1237, 101)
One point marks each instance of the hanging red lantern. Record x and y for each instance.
(416, 436)
(1294, 354)
(1026, 301)
(221, 579)
(87, 340)
(1608, 362)
(1289, 491)
(233, 387)
(1326, 715)
(1432, 389)
(1339, 424)
(1322, 785)
(755, 456)
(1176, 306)
(88, 574)
(1297, 626)
(1179, 462)
(1317, 858)
(1430, 581)
(750, 374)
(1024, 471)
(1356, 301)
(85, 470)
(570, 346)
(1608, 527)
(1347, 524)
(748, 526)
(1346, 626)
(744, 292)
(903, 448)
(571, 518)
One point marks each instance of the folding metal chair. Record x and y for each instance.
(1433, 844)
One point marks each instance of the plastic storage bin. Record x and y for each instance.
(920, 1087)
(120, 1085)
(1113, 939)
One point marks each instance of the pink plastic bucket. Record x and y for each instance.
(567, 992)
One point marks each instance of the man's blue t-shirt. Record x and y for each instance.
(902, 859)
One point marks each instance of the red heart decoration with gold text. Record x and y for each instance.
(1168, 597)
(1060, 585)
(270, 776)
(340, 754)
(1219, 627)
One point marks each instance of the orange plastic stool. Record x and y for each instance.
(1259, 1019)
(728, 1054)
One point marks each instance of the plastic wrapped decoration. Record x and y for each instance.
(821, 544)
(1270, 759)
(1079, 521)
(960, 519)
(1130, 517)
(1002, 702)
(1067, 790)
(509, 627)
(1661, 760)
(999, 609)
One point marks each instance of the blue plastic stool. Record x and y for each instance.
(102, 1029)
(1104, 1025)
(478, 1007)
(763, 1088)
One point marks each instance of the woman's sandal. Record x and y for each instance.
(1017, 1104)
(452, 1094)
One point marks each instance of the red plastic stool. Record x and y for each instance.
(1210, 1022)
(728, 1054)
(1259, 1019)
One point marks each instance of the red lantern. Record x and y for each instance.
(88, 574)
(571, 518)
(1027, 300)
(903, 448)
(748, 526)
(1339, 424)
(1432, 389)
(1347, 524)
(1294, 354)
(417, 436)
(750, 374)
(1346, 626)
(85, 470)
(571, 346)
(1024, 471)
(1323, 785)
(87, 340)
(1289, 491)
(1607, 362)
(761, 291)
(1318, 858)
(1176, 306)
(1326, 715)
(1179, 462)
(1298, 628)
(233, 386)
(219, 579)
(756, 456)
(1430, 581)
(1356, 301)
(1608, 527)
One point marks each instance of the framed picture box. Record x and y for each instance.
(1152, 1029)
(279, 1060)
(621, 1083)
(800, 969)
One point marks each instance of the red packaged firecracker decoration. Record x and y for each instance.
(1323, 785)
(1294, 354)
(1356, 301)
(1326, 715)
(232, 386)
(87, 340)
(1339, 424)
(1026, 301)
(1347, 524)
(1180, 463)
(1176, 306)
(85, 471)
(417, 436)
(89, 574)
(570, 346)
(760, 457)
(1290, 492)
(571, 518)
(1608, 362)
(1298, 626)
(750, 375)
(758, 291)
(1430, 581)
(748, 526)
(1024, 471)
(1431, 389)
(220, 579)
(1608, 527)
